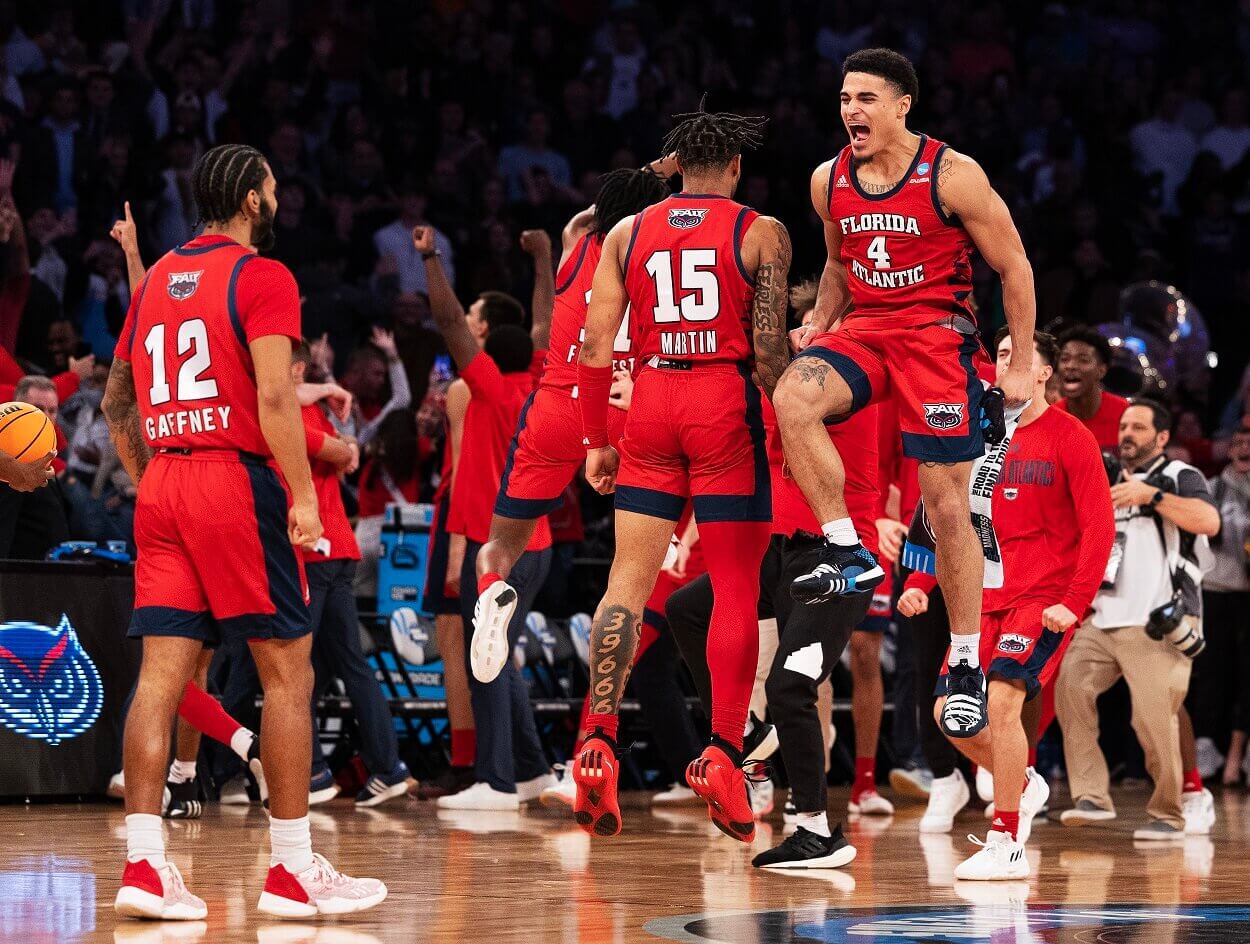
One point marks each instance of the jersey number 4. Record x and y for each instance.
(697, 279)
(192, 336)
(877, 253)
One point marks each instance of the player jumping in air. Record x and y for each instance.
(704, 279)
(202, 409)
(902, 215)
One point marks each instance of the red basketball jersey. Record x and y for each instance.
(905, 259)
(568, 319)
(186, 337)
(689, 293)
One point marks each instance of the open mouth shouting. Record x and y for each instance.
(859, 133)
(1070, 384)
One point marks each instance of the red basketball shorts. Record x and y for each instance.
(214, 559)
(929, 371)
(695, 433)
(1015, 645)
(546, 453)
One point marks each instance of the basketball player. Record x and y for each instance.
(1055, 526)
(547, 451)
(201, 407)
(696, 271)
(902, 214)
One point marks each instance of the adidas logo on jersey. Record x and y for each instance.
(842, 181)
(182, 285)
(685, 217)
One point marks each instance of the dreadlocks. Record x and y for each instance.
(625, 192)
(713, 139)
(221, 179)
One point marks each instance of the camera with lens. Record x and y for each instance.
(1178, 626)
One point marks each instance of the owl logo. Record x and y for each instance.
(50, 690)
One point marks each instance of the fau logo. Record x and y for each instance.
(50, 690)
(1014, 643)
(943, 415)
(182, 285)
(685, 217)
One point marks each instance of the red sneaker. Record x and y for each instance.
(596, 774)
(718, 781)
(158, 893)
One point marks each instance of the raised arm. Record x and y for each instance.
(964, 191)
(537, 243)
(766, 251)
(121, 410)
(833, 299)
(575, 229)
(127, 236)
(282, 426)
(448, 314)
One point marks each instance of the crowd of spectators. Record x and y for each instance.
(1119, 134)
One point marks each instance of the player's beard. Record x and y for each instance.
(262, 229)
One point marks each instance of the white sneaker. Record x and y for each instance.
(871, 804)
(789, 815)
(990, 810)
(117, 786)
(492, 613)
(319, 889)
(760, 793)
(914, 782)
(579, 633)
(1000, 858)
(480, 796)
(1199, 812)
(157, 892)
(985, 785)
(678, 794)
(562, 790)
(234, 793)
(1210, 760)
(1036, 795)
(529, 790)
(947, 797)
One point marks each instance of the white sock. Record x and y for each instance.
(181, 771)
(145, 838)
(290, 844)
(840, 532)
(241, 743)
(817, 823)
(965, 648)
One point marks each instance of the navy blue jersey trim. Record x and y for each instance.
(231, 304)
(577, 266)
(915, 161)
(739, 232)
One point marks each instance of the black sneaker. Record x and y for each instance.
(964, 714)
(452, 780)
(184, 800)
(841, 571)
(760, 743)
(807, 850)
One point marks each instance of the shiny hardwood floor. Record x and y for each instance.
(534, 877)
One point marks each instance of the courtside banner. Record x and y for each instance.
(66, 668)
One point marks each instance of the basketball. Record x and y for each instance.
(26, 433)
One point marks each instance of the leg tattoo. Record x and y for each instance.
(613, 639)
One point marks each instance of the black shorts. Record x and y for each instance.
(434, 599)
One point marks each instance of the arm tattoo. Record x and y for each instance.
(772, 352)
(613, 641)
(944, 171)
(121, 410)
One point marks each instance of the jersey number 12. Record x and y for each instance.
(192, 336)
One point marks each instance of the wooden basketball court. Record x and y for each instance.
(534, 877)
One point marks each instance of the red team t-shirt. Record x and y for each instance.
(337, 530)
(182, 404)
(494, 406)
(1105, 423)
(1052, 515)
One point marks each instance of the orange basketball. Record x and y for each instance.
(26, 433)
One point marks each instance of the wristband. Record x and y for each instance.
(593, 386)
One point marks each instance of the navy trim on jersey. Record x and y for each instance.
(581, 257)
(286, 592)
(1028, 670)
(758, 506)
(848, 370)
(200, 250)
(739, 232)
(697, 196)
(915, 162)
(649, 501)
(951, 449)
(632, 236)
(833, 169)
(231, 306)
(950, 219)
(169, 621)
(434, 601)
(524, 509)
(134, 324)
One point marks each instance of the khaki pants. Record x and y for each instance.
(1158, 678)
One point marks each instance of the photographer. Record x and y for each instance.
(1145, 626)
(1221, 703)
